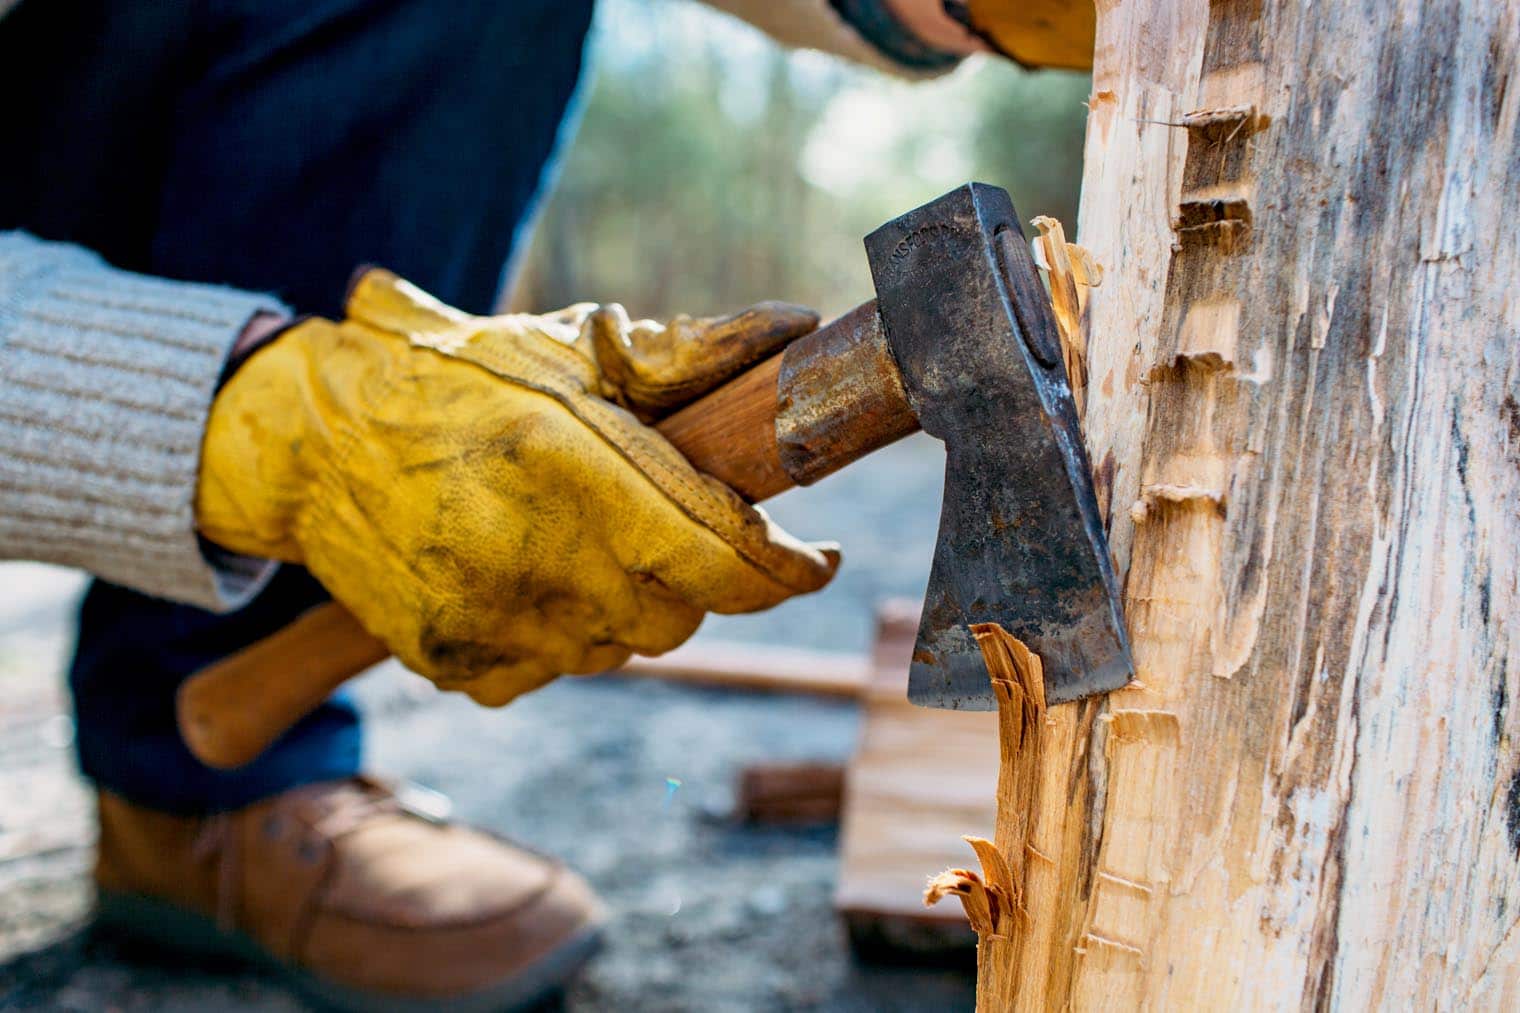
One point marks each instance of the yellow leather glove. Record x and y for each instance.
(1034, 33)
(479, 492)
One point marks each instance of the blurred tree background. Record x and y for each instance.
(713, 168)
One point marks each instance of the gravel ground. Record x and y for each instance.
(706, 915)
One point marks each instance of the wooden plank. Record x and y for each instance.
(758, 667)
(790, 794)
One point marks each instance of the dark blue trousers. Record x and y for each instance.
(272, 145)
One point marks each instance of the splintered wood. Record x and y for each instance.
(1071, 272)
(994, 900)
(1028, 865)
(1025, 952)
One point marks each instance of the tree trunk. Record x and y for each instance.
(1304, 418)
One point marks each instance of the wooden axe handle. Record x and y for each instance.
(828, 399)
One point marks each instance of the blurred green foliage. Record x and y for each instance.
(713, 169)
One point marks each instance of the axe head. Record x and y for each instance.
(1021, 542)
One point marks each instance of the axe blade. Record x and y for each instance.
(1021, 541)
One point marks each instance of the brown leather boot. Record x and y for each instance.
(361, 903)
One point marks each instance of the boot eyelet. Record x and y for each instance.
(308, 852)
(273, 827)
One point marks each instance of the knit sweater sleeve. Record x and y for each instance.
(106, 381)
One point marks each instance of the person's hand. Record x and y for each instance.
(480, 491)
(929, 21)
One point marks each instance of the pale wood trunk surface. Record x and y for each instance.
(1304, 418)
